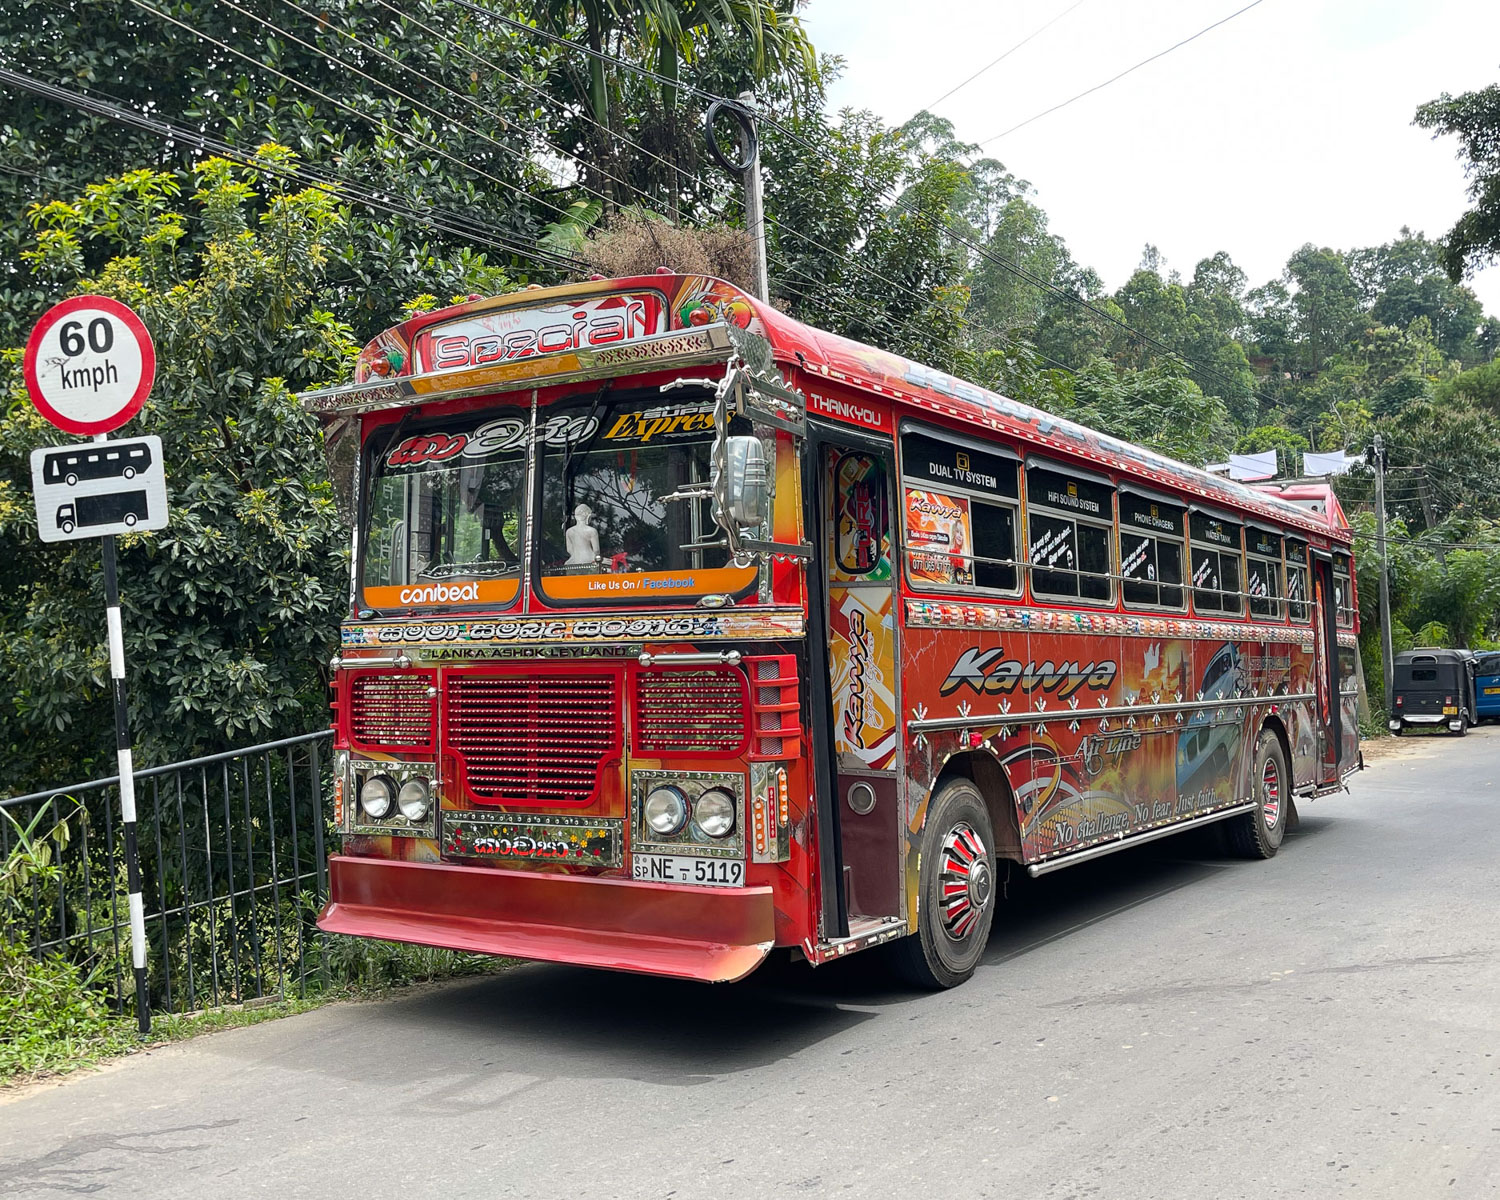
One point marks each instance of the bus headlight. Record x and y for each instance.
(377, 796)
(414, 799)
(714, 813)
(665, 811)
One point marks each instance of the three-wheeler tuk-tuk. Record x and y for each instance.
(1433, 687)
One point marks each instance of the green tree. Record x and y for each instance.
(232, 610)
(1153, 407)
(1473, 118)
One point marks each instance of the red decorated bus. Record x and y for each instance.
(680, 631)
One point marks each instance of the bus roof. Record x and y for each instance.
(921, 389)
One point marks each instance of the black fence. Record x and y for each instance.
(233, 874)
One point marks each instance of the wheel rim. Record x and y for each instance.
(966, 881)
(1270, 793)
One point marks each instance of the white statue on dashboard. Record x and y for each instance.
(582, 538)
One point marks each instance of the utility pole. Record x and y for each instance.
(747, 167)
(1386, 657)
(755, 213)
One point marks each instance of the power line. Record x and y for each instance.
(454, 225)
(1121, 75)
(376, 121)
(900, 203)
(996, 62)
(907, 324)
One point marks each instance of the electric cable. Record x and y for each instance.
(1116, 78)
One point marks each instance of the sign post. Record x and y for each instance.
(89, 366)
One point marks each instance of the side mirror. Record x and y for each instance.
(746, 499)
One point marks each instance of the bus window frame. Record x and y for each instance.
(1015, 504)
(1304, 565)
(1238, 592)
(1343, 568)
(1110, 524)
(1278, 600)
(1181, 543)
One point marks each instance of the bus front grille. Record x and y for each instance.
(532, 739)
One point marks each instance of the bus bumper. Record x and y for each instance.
(715, 935)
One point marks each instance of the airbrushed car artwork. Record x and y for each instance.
(681, 633)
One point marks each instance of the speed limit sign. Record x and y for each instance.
(89, 364)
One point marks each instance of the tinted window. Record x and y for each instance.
(1215, 564)
(1070, 522)
(1151, 536)
(960, 515)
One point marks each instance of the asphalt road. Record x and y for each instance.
(1165, 1023)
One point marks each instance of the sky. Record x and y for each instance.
(1289, 124)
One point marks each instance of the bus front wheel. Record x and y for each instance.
(956, 891)
(1258, 833)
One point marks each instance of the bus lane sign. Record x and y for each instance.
(88, 489)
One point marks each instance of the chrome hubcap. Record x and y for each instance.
(965, 879)
(1270, 794)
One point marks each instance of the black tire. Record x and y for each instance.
(950, 939)
(1258, 833)
(71, 480)
(1401, 729)
(1463, 727)
(67, 526)
(130, 518)
(129, 472)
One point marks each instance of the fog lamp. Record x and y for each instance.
(665, 810)
(377, 795)
(414, 799)
(714, 813)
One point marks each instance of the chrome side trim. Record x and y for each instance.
(1124, 842)
(934, 724)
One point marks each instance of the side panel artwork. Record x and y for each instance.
(1099, 735)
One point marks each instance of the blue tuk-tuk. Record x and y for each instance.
(1487, 685)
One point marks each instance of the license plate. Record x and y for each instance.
(1450, 711)
(1492, 691)
(682, 868)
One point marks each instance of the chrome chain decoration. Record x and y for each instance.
(965, 881)
(1270, 793)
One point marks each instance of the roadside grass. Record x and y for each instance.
(53, 1021)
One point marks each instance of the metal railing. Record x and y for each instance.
(233, 874)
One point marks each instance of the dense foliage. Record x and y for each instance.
(327, 168)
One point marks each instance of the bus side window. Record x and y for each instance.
(1263, 572)
(961, 515)
(1151, 551)
(1343, 591)
(1070, 531)
(1216, 564)
(1296, 579)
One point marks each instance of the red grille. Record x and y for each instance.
(532, 738)
(392, 711)
(775, 708)
(689, 712)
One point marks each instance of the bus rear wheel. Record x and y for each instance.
(1258, 833)
(956, 892)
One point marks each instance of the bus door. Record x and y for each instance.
(1329, 704)
(855, 565)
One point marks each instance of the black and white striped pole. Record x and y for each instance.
(127, 782)
(89, 366)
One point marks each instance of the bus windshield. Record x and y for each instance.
(446, 514)
(607, 530)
